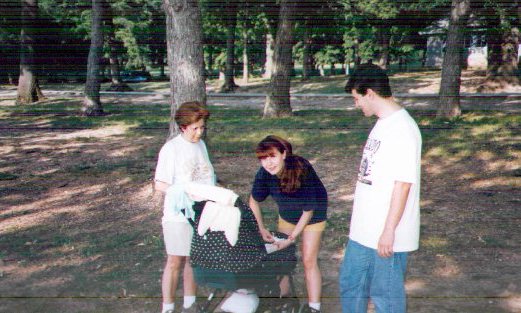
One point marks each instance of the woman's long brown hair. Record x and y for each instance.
(294, 169)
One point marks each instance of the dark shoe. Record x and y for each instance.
(308, 309)
(195, 308)
(286, 305)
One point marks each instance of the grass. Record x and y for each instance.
(7, 176)
(112, 243)
(476, 132)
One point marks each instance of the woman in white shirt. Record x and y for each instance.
(181, 160)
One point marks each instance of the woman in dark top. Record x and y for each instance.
(302, 202)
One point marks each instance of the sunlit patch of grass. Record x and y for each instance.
(437, 151)
(322, 85)
(65, 86)
(485, 155)
(487, 182)
(153, 86)
(456, 136)
(477, 134)
(435, 243)
(487, 129)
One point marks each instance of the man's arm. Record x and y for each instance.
(398, 202)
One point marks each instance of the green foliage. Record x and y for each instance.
(253, 22)
(140, 26)
(404, 19)
(329, 54)
(383, 9)
(338, 30)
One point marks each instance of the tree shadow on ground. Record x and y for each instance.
(470, 245)
(79, 225)
(79, 222)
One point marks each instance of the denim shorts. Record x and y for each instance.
(365, 275)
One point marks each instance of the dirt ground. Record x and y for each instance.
(76, 239)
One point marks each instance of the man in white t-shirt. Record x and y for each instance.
(181, 160)
(385, 222)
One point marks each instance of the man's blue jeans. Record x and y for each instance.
(364, 274)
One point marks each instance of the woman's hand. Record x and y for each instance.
(282, 244)
(266, 235)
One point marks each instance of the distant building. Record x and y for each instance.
(477, 52)
(475, 43)
(436, 35)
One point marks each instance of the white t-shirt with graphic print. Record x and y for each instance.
(392, 153)
(182, 161)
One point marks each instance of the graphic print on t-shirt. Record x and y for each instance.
(370, 149)
(199, 170)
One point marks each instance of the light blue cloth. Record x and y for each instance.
(176, 200)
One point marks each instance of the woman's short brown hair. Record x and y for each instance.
(189, 113)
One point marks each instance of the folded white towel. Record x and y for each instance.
(220, 195)
(218, 217)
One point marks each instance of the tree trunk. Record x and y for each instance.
(273, 12)
(268, 65)
(245, 59)
(384, 39)
(449, 94)
(28, 87)
(161, 64)
(518, 27)
(185, 55)
(92, 103)
(424, 54)
(230, 25)
(356, 53)
(308, 62)
(278, 99)
(116, 83)
(209, 60)
(114, 62)
(502, 46)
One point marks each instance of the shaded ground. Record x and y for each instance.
(80, 232)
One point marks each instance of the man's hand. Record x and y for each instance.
(385, 244)
(398, 202)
